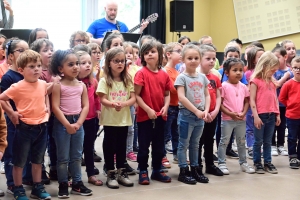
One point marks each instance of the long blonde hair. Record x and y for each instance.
(265, 64)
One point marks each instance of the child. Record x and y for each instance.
(70, 106)
(152, 86)
(37, 33)
(282, 73)
(32, 103)
(96, 55)
(4, 66)
(136, 49)
(86, 76)
(208, 55)
(289, 96)
(208, 40)
(173, 55)
(290, 49)
(194, 101)
(117, 94)
(14, 48)
(234, 107)
(3, 135)
(79, 37)
(183, 40)
(264, 106)
(2, 53)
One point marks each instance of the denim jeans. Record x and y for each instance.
(190, 129)
(171, 127)
(130, 135)
(249, 128)
(263, 136)
(280, 129)
(227, 126)
(293, 137)
(69, 150)
(90, 132)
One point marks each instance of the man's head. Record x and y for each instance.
(111, 9)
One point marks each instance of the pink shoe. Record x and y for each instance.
(166, 163)
(131, 156)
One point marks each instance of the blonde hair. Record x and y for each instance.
(265, 64)
(82, 34)
(27, 57)
(203, 38)
(296, 59)
(169, 47)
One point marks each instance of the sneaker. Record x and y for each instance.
(294, 163)
(259, 168)
(63, 190)
(129, 169)
(39, 192)
(247, 168)
(144, 178)
(160, 176)
(282, 151)
(269, 167)
(175, 159)
(169, 147)
(135, 149)
(53, 175)
(19, 193)
(2, 170)
(232, 154)
(216, 160)
(1, 193)
(224, 169)
(111, 181)
(250, 153)
(274, 151)
(45, 178)
(214, 170)
(10, 190)
(79, 188)
(165, 162)
(97, 158)
(234, 147)
(164, 168)
(131, 157)
(104, 170)
(123, 178)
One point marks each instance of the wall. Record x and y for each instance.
(217, 19)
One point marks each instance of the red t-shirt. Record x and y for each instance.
(289, 96)
(214, 84)
(154, 86)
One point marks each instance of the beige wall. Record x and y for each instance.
(217, 19)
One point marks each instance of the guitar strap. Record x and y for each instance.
(118, 25)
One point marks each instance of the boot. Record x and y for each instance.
(123, 178)
(197, 174)
(111, 180)
(185, 176)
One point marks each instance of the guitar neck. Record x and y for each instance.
(134, 28)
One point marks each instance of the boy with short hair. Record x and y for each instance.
(32, 103)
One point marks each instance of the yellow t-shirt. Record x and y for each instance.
(132, 71)
(118, 92)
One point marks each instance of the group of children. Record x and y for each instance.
(57, 100)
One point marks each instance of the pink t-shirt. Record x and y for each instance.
(266, 96)
(233, 97)
(70, 99)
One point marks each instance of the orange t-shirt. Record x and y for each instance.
(3, 68)
(173, 73)
(30, 100)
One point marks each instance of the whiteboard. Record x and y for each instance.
(264, 19)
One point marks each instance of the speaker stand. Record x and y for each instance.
(179, 35)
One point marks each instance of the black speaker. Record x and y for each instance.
(181, 16)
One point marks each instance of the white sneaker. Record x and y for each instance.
(247, 168)
(274, 151)
(282, 151)
(169, 147)
(234, 147)
(224, 169)
(2, 171)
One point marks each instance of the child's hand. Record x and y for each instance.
(71, 129)
(257, 122)
(278, 120)
(128, 62)
(164, 111)
(98, 114)
(213, 115)
(235, 116)
(119, 105)
(200, 114)
(151, 114)
(208, 118)
(14, 117)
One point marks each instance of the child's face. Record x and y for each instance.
(232, 55)
(85, 66)
(191, 59)
(46, 54)
(96, 55)
(41, 34)
(20, 48)
(208, 61)
(272, 71)
(235, 73)
(129, 53)
(257, 56)
(282, 60)
(2, 52)
(117, 64)
(175, 55)
(32, 71)
(296, 71)
(207, 41)
(184, 42)
(78, 39)
(151, 57)
(116, 42)
(70, 67)
(135, 54)
(290, 49)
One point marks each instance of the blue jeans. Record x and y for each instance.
(263, 136)
(130, 135)
(293, 137)
(69, 150)
(227, 126)
(171, 127)
(190, 129)
(249, 128)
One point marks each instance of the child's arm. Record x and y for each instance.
(150, 112)
(283, 96)
(85, 107)
(164, 110)
(257, 120)
(245, 109)
(215, 112)
(207, 102)
(13, 115)
(3, 133)
(56, 110)
(47, 102)
(49, 87)
(187, 104)
(283, 79)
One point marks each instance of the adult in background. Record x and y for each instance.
(4, 23)
(99, 27)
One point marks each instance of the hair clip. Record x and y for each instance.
(7, 47)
